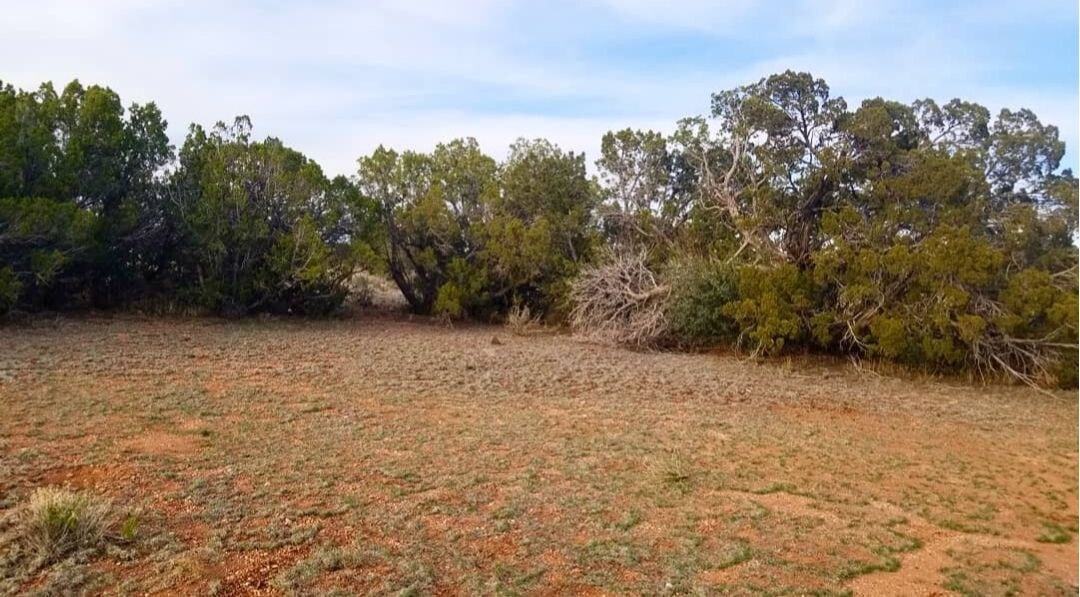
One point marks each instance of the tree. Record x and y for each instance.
(936, 235)
(466, 236)
(648, 189)
(47, 251)
(258, 226)
(953, 210)
(771, 168)
(428, 205)
(544, 227)
(81, 148)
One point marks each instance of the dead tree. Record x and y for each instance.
(621, 301)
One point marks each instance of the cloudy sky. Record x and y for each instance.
(335, 78)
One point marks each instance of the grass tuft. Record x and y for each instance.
(56, 522)
(521, 322)
(675, 471)
(129, 529)
(1054, 533)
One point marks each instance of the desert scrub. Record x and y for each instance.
(56, 522)
(521, 322)
(53, 524)
(58, 532)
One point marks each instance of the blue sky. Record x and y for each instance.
(335, 78)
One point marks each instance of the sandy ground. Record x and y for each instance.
(379, 454)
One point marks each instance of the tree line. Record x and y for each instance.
(936, 235)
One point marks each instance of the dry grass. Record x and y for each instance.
(381, 455)
(53, 530)
(55, 522)
(521, 322)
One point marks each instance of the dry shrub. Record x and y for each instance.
(521, 321)
(361, 289)
(621, 300)
(55, 522)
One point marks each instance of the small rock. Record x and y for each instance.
(495, 340)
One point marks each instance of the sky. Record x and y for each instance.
(335, 79)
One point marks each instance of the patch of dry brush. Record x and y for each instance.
(621, 300)
(52, 524)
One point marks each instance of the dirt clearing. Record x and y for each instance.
(380, 455)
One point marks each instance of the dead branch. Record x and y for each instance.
(1028, 360)
(620, 301)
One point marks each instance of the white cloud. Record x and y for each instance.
(336, 78)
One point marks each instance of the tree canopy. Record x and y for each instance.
(939, 235)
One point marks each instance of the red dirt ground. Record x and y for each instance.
(380, 454)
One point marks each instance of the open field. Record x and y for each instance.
(381, 455)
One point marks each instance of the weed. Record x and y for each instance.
(611, 551)
(734, 554)
(962, 527)
(520, 321)
(129, 529)
(324, 559)
(674, 471)
(507, 512)
(419, 579)
(55, 522)
(990, 572)
(1054, 533)
(629, 521)
(886, 564)
(509, 581)
(778, 488)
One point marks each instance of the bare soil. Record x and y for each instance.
(383, 455)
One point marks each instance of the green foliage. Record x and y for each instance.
(543, 228)
(648, 190)
(466, 236)
(10, 289)
(937, 235)
(701, 292)
(258, 226)
(1054, 533)
(82, 147)
(129, 529)
(428, 204)
(49, 248)
(55, 522)
(774, 308)
(463, 290)
(94, 216)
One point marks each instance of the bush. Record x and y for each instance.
(49, 249)
(774, 308)
(937, 235)
(79, 155)
(55, 522)
(10, 287)
(700, 293)
(259, 227)
(520, 320)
